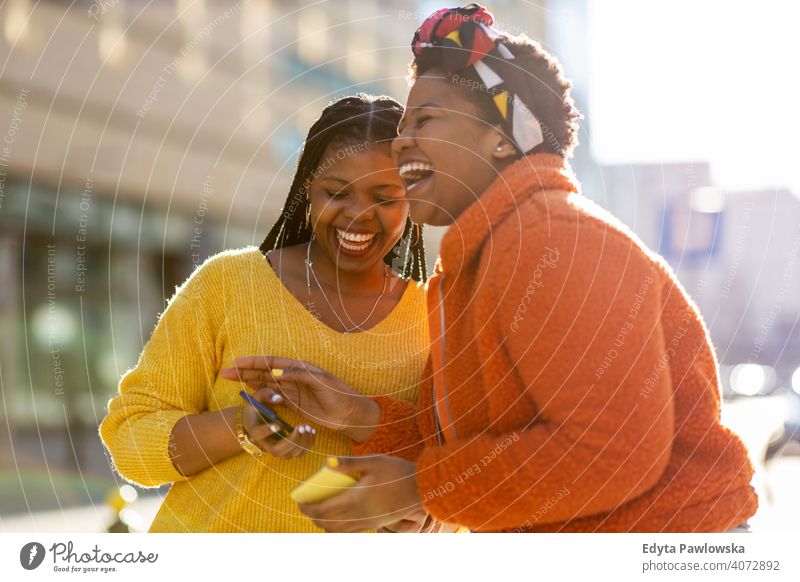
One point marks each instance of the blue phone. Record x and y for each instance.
(269, 416)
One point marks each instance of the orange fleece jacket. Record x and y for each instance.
(581, 383)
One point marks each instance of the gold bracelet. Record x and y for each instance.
(244, 441)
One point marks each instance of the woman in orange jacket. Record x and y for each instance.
(572, 385)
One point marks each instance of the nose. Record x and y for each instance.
(360, 209)
(404, 140)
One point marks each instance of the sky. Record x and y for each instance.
(683, 80)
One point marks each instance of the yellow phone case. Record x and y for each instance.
(321, 485)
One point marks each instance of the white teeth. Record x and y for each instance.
(414, 168)
(354, 237)
(350, 247)
(352, 241)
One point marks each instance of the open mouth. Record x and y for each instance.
(412, 173)
(354, 241)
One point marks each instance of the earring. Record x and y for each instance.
(499, 148)
(308, 215)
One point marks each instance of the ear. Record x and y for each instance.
(502, 150)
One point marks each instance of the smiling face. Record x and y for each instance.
(358, 205)
(446, 154)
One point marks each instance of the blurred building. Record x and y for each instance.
(643, 195)
(566, 36)
(139, 138)
(737, 253)
(751, 295)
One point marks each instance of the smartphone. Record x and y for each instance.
(269, 416)
(321, 485)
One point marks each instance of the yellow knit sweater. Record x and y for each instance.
(235, 305)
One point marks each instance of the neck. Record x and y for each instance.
(328, 273)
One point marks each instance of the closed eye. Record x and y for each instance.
(422, 120)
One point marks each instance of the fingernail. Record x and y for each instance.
(274, 428)
(277, 373)
(301, 430)
(333, 462)
(275, 397)
(313, 431)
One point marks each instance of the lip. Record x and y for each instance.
(354, 230)
(419, 183)
(416, 187)
(353, 252)
(401, 161)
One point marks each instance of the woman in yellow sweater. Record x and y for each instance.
(337, 282)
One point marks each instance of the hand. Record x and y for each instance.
(421, 523)
(263, 435)
(385, 494)
(310, 390)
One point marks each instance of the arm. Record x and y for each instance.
(199, 441)
(585, 352)
(157, 429)
(404, 427)
(176, 368)
(202, 440)
(396, 433)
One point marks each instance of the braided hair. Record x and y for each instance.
(356, 119)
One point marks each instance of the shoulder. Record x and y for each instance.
(218, 269)
(574, 229)
(565, 250)
(232, 258)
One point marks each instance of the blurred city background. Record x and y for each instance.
(139, 137)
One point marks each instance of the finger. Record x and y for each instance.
(268, 396)
(262, 433)
(271, 363)
(346, 505)
(284, 394)
(257, 426)
(352, 464)
(299, 442)
(258, 379)
(429, 525)
(268, 399)
(248, 374)
(302, 376)
(256, 385)
(316, 511)
(332, 520)
(253, 362)
(403, 526)
(305, 441)
(230, 373)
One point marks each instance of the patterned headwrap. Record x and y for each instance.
(469, 31)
